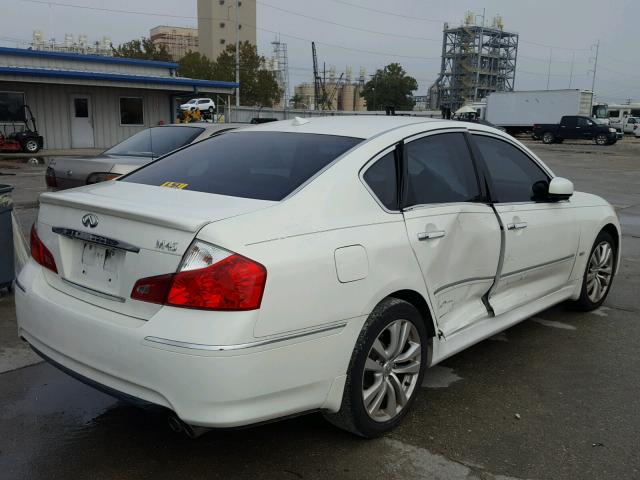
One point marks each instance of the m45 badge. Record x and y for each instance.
(166, 246)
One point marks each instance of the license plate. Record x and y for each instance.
(101, 264)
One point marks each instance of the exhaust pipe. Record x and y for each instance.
(191, 431)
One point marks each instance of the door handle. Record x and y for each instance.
(431, 235)
(516, 226)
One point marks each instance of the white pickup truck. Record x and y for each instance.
(625, 125)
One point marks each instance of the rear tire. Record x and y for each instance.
(548, 138)
(384, 375)
(598, 274)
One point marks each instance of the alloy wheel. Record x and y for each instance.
(600, 271)
(391, 370)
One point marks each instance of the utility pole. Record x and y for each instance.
(549, 68)
(595, 70)
(237, 58)
(573, 58)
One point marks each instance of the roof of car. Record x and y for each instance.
(360, 126)
(208, 126)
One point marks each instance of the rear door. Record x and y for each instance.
(453, 232)
(569, 128)
(540, 237)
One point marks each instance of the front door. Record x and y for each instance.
(81, 122)
(540, 237)
(455, 235)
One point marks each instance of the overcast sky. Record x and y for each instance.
(360, 37)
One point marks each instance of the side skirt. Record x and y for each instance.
(443, 348)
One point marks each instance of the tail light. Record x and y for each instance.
(98, 177)
(50, 177)
(40, 252)
(209, 278)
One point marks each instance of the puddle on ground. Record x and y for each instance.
(439, 377)
(553, 324)
(601, 312)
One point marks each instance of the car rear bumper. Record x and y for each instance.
(206, 387)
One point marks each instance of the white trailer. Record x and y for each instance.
(519, 111)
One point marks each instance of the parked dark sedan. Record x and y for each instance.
(134, 152)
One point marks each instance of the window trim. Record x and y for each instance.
(478, 172)
(120, 112)
(370, 163)
(485, 171)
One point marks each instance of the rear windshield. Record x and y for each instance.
(156, 141)
(260, 165)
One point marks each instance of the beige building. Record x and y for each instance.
(216, 22)
(177, 40)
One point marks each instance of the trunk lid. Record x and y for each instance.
(105, 237)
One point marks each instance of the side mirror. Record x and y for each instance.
(560, 189)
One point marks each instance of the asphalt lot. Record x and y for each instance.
(555, 397)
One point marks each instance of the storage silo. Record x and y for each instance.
(347, 97)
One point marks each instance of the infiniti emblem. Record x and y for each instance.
(90, 220)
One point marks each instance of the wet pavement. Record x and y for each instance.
(555, 397)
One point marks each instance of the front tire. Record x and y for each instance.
(599, 273)
(386, 370)
(601, 139)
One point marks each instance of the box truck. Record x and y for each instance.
(518, 111)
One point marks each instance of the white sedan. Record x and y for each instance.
(307, 265)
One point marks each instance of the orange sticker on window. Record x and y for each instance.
(175, 185)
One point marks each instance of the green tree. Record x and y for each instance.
(390, 87)
(196, 65)
(258, 86)
(143, 49)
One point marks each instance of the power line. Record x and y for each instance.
(296, 37)
(351, 27)
(391, 14)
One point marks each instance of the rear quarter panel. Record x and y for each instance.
(296, 241)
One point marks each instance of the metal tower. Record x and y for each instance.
(281, 68)
(476, 60)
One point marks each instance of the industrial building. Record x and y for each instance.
(216, 25)
(341, 93)
(476, 60)
(178, 41)
(72, 44)
(90, 101)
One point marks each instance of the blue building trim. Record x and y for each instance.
(115, 77)
(79, 57)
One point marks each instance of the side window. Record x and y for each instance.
(583, 122)
(512, 172)
(381, 178)
(440, 170)
(569, 122)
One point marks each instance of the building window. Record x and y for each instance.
(221, 24)
(11, 106)
(131, 111)
(222, 41)
(221, 2)
(239, 26)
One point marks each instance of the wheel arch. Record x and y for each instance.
(612, 230)
(418, 301)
